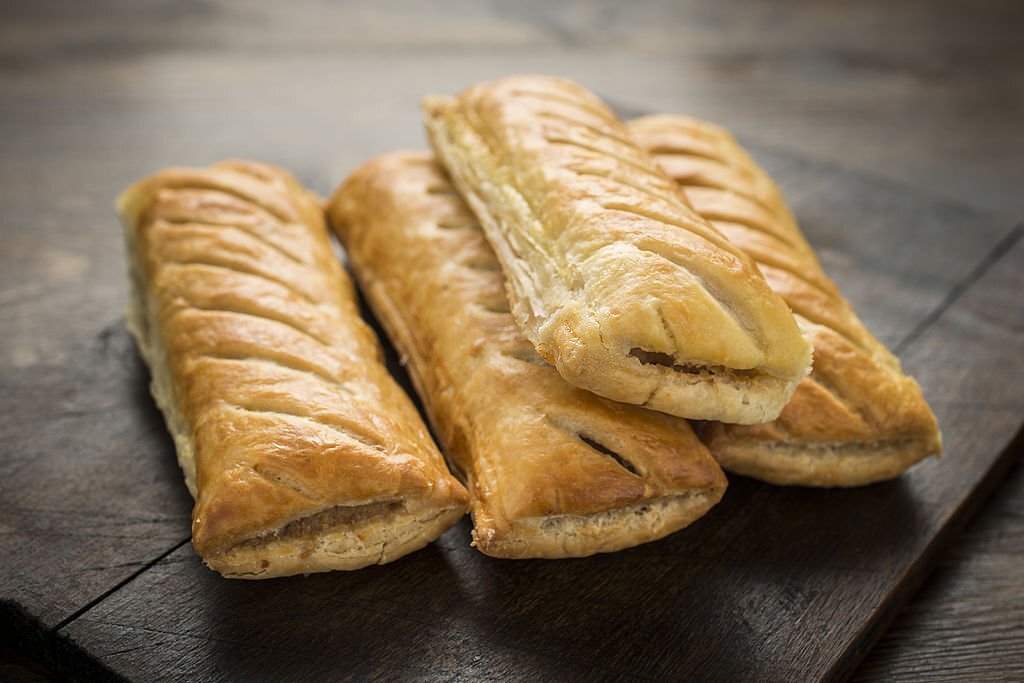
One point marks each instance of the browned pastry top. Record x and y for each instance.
(271, 384)
(613, 277)
(856, 397)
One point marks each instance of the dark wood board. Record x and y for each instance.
(87, 494)
(774, 583)
(99, 419)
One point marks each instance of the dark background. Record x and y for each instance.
(927, 95)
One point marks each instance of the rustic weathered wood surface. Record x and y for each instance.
(965, 624)
(894, 129)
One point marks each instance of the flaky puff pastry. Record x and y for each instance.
(553, 470)
(857, 419)
(612, 276)
(302, 453)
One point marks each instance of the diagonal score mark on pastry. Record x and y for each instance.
(612, 276)
(857, 419)
(302, 453)
(553, 470)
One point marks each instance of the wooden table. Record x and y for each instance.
(894, 128)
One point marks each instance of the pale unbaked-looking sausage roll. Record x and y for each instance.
(553, 470)
(302, 453)
(857, 419)
(612, 276)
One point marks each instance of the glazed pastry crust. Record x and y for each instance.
(857, 418)
(553, 470)
(302, 453)
(612, 276)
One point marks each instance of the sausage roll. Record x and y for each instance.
(857, 419)
(612, 276)
(553, 471)
(302, 453)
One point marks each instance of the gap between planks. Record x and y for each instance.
(117, 586)
(1001, 248)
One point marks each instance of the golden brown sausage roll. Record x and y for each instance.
(857, 419)
(553, 471)
(302, 453)
(612, 276)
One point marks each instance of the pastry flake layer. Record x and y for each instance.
(612, 276)
(302, 453)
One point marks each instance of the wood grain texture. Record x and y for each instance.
(964, 353)
(966, 621)
(928, 96)
(923, 94)
(89, 490)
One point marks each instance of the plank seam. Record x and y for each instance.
(118, 586)
(1002, 247)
